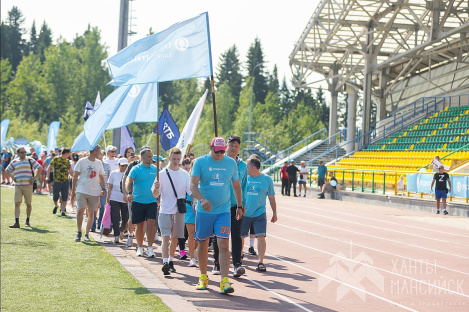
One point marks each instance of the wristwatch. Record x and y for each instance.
(202, 200)
(240, 207)
(129, 193)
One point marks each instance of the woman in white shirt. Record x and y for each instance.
(302, 180)
(115, 199)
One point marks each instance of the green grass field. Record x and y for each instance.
(44, 269)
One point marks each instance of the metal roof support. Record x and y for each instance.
(351, 116)
(383, 80)
(334, 96)
(367, 84)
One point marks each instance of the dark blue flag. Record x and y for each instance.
(168, 130)
(89, 110)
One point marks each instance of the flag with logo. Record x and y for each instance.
(180, 52)
(4, 129)
(168, 130)
(188, 133)
(125, 105)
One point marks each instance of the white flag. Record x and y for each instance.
(188, 133)
(97, 102)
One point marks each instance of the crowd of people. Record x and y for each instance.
(203, 201)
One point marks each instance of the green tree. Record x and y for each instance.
(44, 40)
(5, 76)
(32, 44)
(255, 67)
(229, 72)
(274, 85)
(14, 45)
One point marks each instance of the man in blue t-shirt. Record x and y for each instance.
(211, 179)
(258, 188)
(232, 151)
(322, 172)
(138, 186)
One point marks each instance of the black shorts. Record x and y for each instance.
(60, 189)
(142, 212)
(320, 182)
(51, 177)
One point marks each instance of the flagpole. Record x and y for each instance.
(104, 137)
(148, 143)
(188, 150)
(157, 150)
(214, 106)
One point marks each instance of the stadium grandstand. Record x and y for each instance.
(409, 59)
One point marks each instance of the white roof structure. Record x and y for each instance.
(396, 51)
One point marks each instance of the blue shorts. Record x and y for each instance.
(301, 182)
(142, 212)
(259, 223)
(189, 216)
(440, 194)
(207, 225)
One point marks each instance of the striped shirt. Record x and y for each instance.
(22, 170)
(107, 173)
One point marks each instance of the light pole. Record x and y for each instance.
(250, 101)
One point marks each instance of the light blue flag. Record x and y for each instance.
(3, 130)
(126, 105)
(52, 137)
(81, 144)
(182, 51)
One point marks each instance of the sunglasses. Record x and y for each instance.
(21, 152)
(219, 152)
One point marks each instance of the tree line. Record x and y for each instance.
(43, 80)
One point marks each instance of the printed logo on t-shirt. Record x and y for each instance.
(91, 171)
(252, 190)
(217, 180)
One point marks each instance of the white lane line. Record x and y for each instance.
(340, 282)
(371, 266)
(380, 228)
(378, 237)
(373, 219)
(377, 250)
(276, 294)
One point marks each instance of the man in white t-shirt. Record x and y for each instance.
(303, 176)
(87, 185)
(171, 222)
(111, 157)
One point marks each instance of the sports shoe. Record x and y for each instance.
(171, 266)
(182, 255)
(238, 270)
(203, 282)
(252, 252)
(54, 211)
(193, 262)
(62, 213)
(445, 212)
(15, 226)
(86, 238)
(116, 240)
(165, 268)
(129, 241)
(304, 195)
(150, 252)
(139, 251)
(27, 224)
(216, 268)
(438, 211)
(157, 239)
(225, 286)
(78, 237)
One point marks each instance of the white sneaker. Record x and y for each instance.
(150, 252)
(129, 241)
(139, 251)
(193, 262)
(157, 239)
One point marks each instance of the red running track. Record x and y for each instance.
(325, 255)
